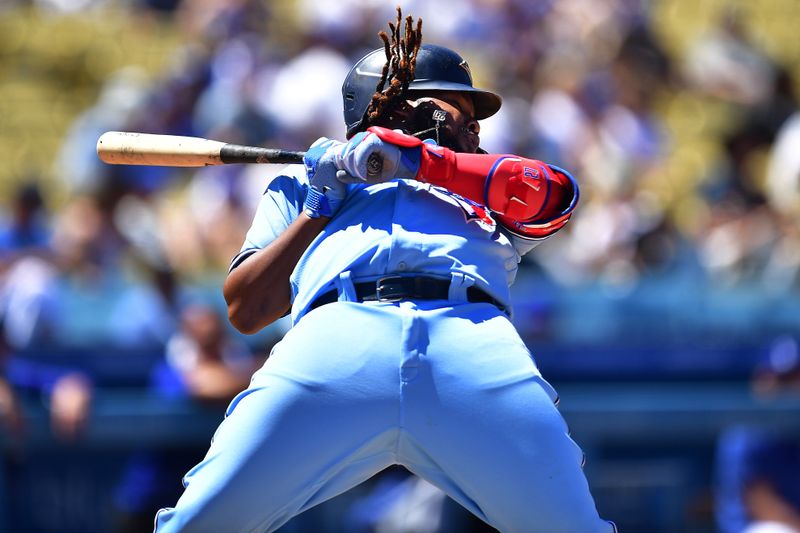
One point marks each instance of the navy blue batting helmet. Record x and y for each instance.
(438, 69)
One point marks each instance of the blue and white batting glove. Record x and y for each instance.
(330, 165)
(369, 159)
(326, 192)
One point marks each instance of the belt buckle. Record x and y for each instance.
(390, 289)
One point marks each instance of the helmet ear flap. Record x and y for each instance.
(351, 106)
(358, 88)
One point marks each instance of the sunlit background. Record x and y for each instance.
(666, 313)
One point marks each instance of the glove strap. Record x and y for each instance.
(317, 204)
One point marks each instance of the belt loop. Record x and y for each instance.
(459, 283)
(345, 288)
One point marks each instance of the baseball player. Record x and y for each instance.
(394, 258)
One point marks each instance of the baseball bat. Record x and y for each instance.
(128, 148)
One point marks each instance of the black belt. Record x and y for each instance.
(396, 288)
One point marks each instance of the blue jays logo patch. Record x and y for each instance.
(472, 211)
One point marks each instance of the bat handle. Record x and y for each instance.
(237, 153)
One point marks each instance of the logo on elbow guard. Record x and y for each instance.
(533, 174)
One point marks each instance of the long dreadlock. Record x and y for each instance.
(401, 61)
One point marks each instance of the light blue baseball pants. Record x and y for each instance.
(451, 393)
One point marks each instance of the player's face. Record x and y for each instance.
(463, 129)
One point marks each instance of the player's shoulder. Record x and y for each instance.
(294, 172)
(288, 178)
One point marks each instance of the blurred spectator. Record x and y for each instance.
(89, 255)
(203, 360)
(758, 491)
(122, 95)
(145, 315)
(215, 21)
(70, 404)
(205, 364)
(779, 372)
(748, 234)
(67, 393)
(27, 227)
(11, 420)
(85, 239)
(724, 63)
(10, 415)
(29, 302)
(303, 111)
(227, 109)
(757, 468)
(27, 273)
(783, 173)
(342, 24)
(602, 122)
(172, 98)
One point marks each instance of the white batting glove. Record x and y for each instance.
(368, 159)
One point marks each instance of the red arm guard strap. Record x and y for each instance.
(529, 197)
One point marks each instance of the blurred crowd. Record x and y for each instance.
(130, 257)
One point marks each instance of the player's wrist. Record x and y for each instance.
(325, 192)
(320, 204)
(315, 218)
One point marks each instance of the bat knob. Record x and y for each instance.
(374, 165)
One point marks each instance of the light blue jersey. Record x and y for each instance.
(400, 227)
(444, 387)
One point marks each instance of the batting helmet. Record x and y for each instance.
(438, 69)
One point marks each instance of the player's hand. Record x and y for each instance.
(366, 158)
(326, 192)
(369, 159)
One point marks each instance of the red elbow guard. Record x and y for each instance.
(508, 185)
(529, 197)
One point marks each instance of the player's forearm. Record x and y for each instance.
(258, 291)
(529, 197)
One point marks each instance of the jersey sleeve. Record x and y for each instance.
(521, 244)
(280, 204)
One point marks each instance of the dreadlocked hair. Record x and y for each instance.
(401, 61)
